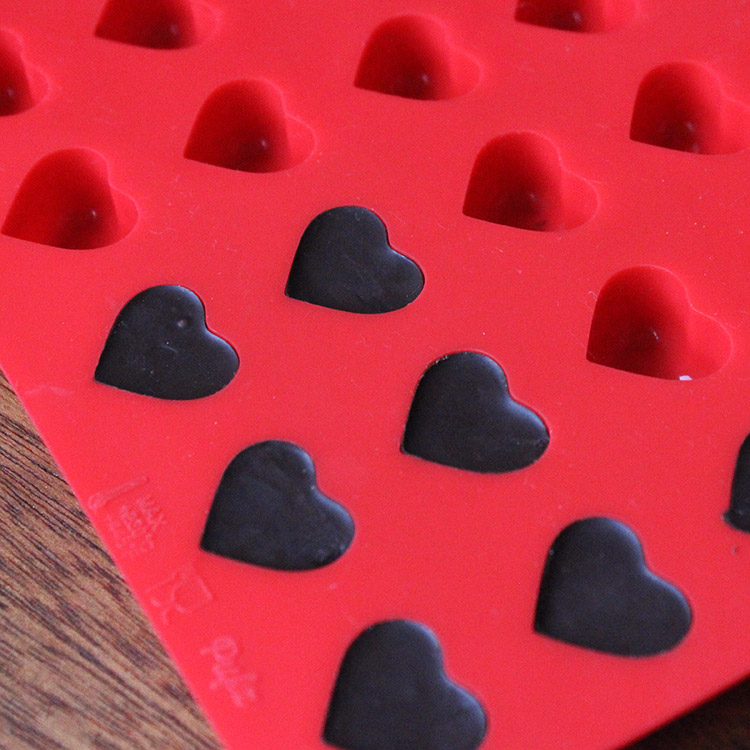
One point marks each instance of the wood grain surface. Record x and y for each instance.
(80, 667)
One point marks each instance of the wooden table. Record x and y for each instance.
(80, 668)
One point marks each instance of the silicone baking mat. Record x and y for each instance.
(398, 352)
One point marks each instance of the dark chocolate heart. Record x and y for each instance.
(597, 592)
(344, 262)
(462, 415)
(738, 514)
(392, 694)
(268, 511)
(159, 346)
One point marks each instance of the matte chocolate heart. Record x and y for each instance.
(159, 346)
(392, 693)
(738, 514)
(344, 262)
(268, 511)
(462, 415)
(597, 592)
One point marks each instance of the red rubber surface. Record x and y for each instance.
(105, 124)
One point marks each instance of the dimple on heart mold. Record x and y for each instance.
(576, 15)
(244, 125)
(157, 24)
(22, 85)
(518, 180)
(415, 58)
(67, 201)
(644, 323)
(683, 106)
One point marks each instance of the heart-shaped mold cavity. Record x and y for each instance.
(21, 85)
(596, 592)
(160, 346)
(158, 24)
(519, 180)
(344, 262)
(268, 511)
(463, 416)
(576, 15)
(244, 126)
(738, 515)
(644, 323)
(683, 106)
(414, 57)
(67, 201)
(392, 693)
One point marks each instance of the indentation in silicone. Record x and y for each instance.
(244, 125)
(21, 84)
(683, 106)
(576, 15)
(67, 201)
(158, 24)
(519, 180)
(414, 57)
(644, 323)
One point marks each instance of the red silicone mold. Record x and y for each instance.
(345, 536)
